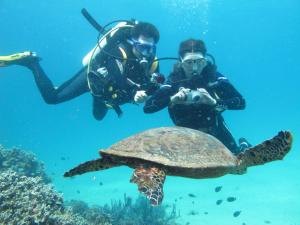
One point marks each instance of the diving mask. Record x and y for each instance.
(193, 63)
(145, 48)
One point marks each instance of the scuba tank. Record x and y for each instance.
(100, 83)
(107, 39)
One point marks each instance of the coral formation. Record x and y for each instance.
(128, 212)
(94, 215)
(23, 162)
(26, 197)
(28, 200)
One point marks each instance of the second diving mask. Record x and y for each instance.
(193, 63)
(146, 49)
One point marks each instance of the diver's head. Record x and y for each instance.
(144, 39)
(192, 54)
(193, 63)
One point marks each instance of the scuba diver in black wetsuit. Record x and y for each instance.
(122, 68)
(196, 95)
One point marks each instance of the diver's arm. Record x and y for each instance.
(159, 100)
(230, 98)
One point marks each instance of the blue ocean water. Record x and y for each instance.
(255, 43)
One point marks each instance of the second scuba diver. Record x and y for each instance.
(196, 95)
(120, 69)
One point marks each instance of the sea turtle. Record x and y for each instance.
(179, 151)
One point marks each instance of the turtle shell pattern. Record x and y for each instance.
(175, 147)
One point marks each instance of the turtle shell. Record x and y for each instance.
(175, 147)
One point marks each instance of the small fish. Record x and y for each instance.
(63, 158)
(231, 199)
(244, 224)
(78, 192)
(237, 213)
(193, 213)
(267, 221)
(192, 195)
(219, 188)
(205, 213)
(218, 202)
(100, 183)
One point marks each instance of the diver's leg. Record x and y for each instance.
(99, 108)
(224, 135)
(72, 88)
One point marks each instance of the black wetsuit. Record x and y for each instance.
(199, 116)
(121, 91)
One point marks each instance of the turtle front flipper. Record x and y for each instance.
(93, 165)
(150, 181)
(270, 150)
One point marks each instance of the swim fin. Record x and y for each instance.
(244, 144)
(22, 58)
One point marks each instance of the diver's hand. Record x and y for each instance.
(205, 97)
(140, 96)
(180, 96)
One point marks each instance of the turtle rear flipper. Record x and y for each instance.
(93, 165)
(150, 181)
(268, 151)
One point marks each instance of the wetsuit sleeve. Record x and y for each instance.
(160, 99)
(229, 97)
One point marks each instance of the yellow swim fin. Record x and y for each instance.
(20, 58)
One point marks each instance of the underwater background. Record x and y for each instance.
(256, 45)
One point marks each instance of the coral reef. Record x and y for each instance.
(23, 162)
(127, 212)
(94, 215)
(28, 200)
(26, 197)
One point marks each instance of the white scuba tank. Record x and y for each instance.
(103, 42)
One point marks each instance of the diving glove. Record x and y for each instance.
(23, 58)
